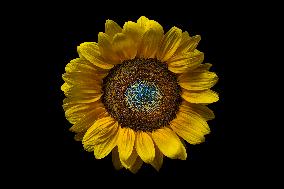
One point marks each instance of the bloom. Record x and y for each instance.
(138, 93)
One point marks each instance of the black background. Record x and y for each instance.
(240, 38)
(222, 34)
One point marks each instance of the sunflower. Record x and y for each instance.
(138, 93)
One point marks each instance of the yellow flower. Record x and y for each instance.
(138, 93)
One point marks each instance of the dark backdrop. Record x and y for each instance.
(219, 153)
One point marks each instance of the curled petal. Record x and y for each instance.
(169, 44)
(90, 51)
(112, 28)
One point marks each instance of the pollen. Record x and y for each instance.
(141, 94)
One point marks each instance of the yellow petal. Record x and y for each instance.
(198, 80)
(184, 40)
(115, 159)
(190, 125)
(67, 104)
(145, 147)
(169, 143)
(200, 109)
(130, 161)
(86, 98)
(150, 43)
(169, 44)
(136, 166)
(77, 112)
(65, 87)
(80, 85)
(125, 143)
(106, 48)
(101, 126)
(77, 92)
(80, 65)
(143, 22)
(124, 46)
(112, 28)
(87, 121)
(82, 79)
(105, 139)
(82, 92)
(207, 96)
(203, 67)
(192, 44)
(90, 51)
(74, 89)
(158, 161)
(197, 122)
(84, 66)
(187, 134)
(189, 45)
(184, 62)
(195, 57)
(153, 25)
(133, 31)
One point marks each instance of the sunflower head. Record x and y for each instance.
(138, 93)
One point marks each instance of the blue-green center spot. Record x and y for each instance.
(143, 96)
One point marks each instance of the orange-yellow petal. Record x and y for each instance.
(145, 147)
(200, 109)
(105, 139)
(143, 22)
(136, 166)
(101, 137)
(87, 121)
(169, 143)
(190, 126)
(158, 161)
(207, 96)
(82, 65)
(130, 161)
(188, 44)
(106, 48)
(115, 159)
(169, 44)
(150, 43)
(196, 121)
(81, 79)
(125, 143)
(202, 68)
(90, 51)
(124, 46)
(184, 40)
(112, 28)
(86, 98)
(198, 80)
(184, 62)
(152, 24)
(75, 111)
(133, 31)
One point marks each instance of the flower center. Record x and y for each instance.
(141, 94)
